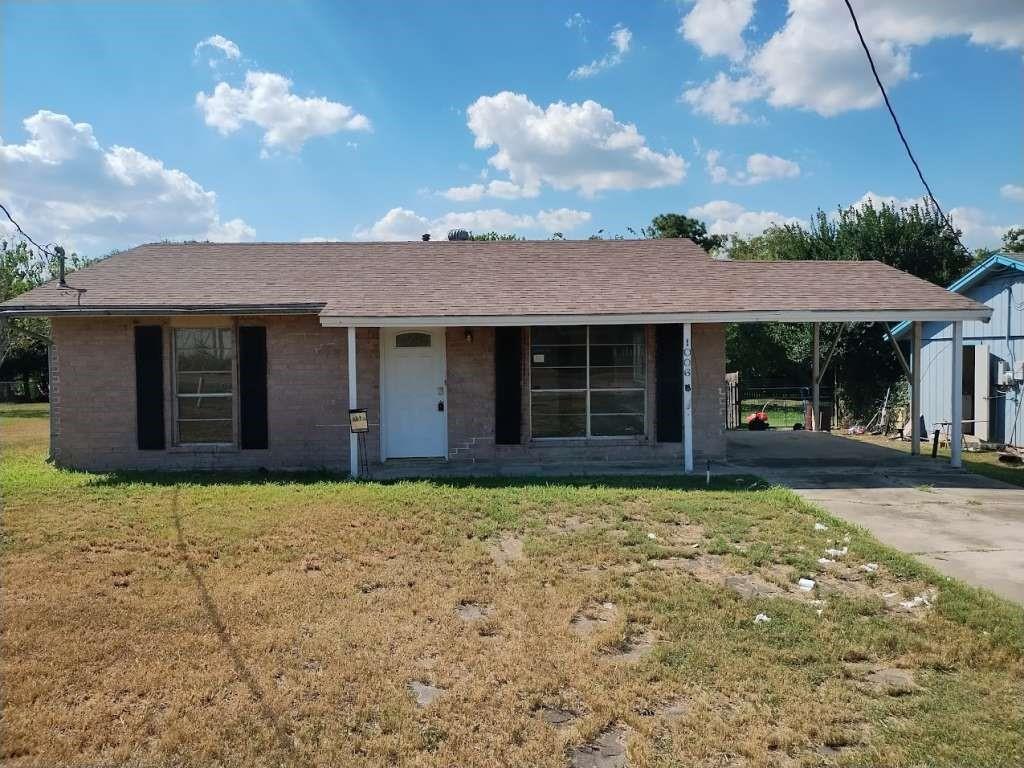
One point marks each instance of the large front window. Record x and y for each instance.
(587, 381)
(204, 385)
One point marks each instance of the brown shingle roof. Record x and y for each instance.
(483, 280)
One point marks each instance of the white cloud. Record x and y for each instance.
(815, 62)
(1013, 192)
(716, 27)
(67, 188)
(568, 146)
(877, 201)
(726, 218)
(288, 120)
(404, 224)
(978, 228)
(577, 21)
(760, 168)
(504, 190)
(720, 99)
(621, 39)
(220, 43)
(561, 219)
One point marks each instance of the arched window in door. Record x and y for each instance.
(412, 339)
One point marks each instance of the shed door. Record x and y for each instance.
(982, 394)
(413, 402)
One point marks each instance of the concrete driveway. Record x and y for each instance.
(965, 525)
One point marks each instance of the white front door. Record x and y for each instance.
(413, 401)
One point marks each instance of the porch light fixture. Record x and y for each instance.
(469, 335)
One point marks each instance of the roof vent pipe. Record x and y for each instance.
(59, 251)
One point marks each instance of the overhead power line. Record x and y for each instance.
(24, 234)
(899, 129)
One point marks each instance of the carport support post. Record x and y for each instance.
(956, 389)
(687, 398)
(816, 391)
(353, 438)
(915, 390)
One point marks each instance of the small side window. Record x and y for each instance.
(412, 339)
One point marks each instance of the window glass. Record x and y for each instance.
(587, 381)
(412, 339)
(204, 360)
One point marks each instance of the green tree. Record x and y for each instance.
(24, 341)
(666, 225)
(914, 239)
(493, 236)
(1013, 240)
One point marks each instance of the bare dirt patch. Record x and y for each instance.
(557, 717)
(683, 534)
(473, 611)
(572, 524)
(608, 750)
(593, 618)
(424, 694)
(508, 549)
(891, 680)
(634, 648)
(712, 569)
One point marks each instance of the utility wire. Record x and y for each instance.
(899, 130)
(25, 234)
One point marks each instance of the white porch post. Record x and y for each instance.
(957, 394)
(915, 390)
(816, 392)
(687, 398)
(353, 438)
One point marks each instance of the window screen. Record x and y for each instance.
(204, 380)
(587, 381)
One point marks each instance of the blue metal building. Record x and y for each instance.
(993, 356)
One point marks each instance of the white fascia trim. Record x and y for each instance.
(785, 316)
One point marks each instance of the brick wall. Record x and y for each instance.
(93, 400)
(709, 395)
(470, 382)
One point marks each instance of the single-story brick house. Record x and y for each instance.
(244, 356)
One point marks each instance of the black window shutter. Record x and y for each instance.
(508, 350)
(149, 387)
(252, 386)
(668, 375)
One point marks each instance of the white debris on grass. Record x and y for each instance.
(869, 567)
(762, 618)
(825, 561)
(806, 584)
(820, 527)
(837, 552)
(916, 602)
(652, 536)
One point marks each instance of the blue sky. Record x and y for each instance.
(374, 120)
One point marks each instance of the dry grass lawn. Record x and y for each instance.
(247, 621)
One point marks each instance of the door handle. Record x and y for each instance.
(440, 405)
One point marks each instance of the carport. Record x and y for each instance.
(864, 292)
